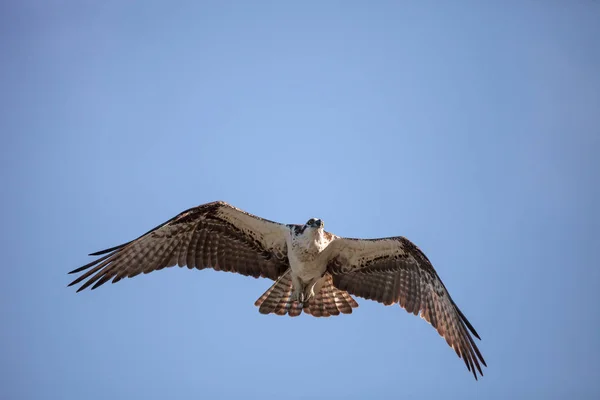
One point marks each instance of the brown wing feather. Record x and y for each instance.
(215, 235)
(394, 270)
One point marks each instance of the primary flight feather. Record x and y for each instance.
(315, 272)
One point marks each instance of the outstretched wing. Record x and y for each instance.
(214, 235)
(394, 270)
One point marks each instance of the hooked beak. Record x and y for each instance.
(317, 224)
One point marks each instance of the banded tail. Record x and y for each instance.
(329, 301)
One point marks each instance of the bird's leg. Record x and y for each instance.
(298, 289)
(303, 292)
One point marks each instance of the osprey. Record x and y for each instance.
(315, 272)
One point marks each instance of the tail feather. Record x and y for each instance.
(329, 301)
(277, 298)
(284, 304)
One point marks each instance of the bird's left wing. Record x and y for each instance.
(394, 270)
(214, 235)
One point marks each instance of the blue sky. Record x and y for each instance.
(472, 129)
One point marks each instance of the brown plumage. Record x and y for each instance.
(409, 280)
(219, 236)
(197, 238)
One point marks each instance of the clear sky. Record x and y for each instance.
(470, 127)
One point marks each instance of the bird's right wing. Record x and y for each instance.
(394, 270)
(214, 235)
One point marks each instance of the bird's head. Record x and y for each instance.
(315, 223)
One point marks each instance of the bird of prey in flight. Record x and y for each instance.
(315, 271)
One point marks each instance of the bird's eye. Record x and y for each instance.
(311, 221)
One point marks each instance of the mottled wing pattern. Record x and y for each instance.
(214, 235)
(328, 302)
(394, 270)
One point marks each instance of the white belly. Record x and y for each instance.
(307, 270)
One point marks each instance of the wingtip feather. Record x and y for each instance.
(467, 323)
(78, 270)
(101, 252)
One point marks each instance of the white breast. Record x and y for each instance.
(305, 254)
